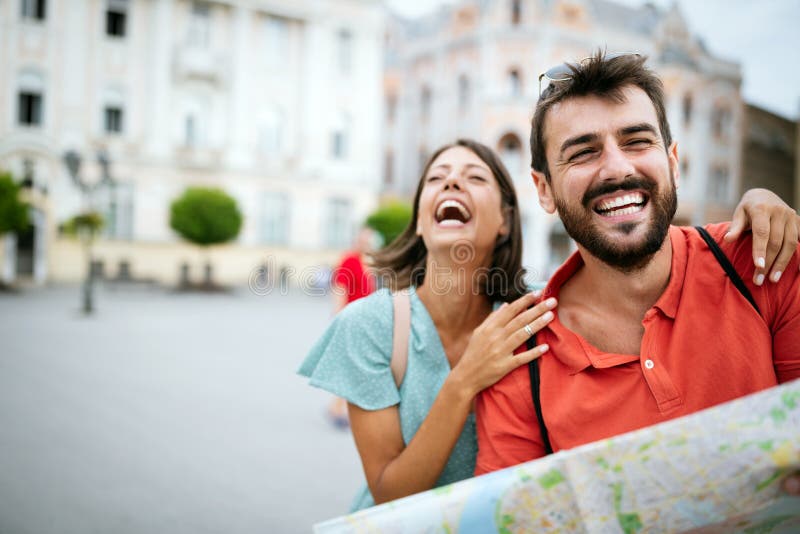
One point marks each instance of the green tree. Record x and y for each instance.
(205, 216)
(86, 225)
(390, 220)
(13, 211)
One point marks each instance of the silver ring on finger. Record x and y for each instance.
(528, 330)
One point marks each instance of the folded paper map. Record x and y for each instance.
(715, 471)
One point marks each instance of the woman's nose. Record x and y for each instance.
(452, 180)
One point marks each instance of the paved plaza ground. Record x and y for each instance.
(165, 413)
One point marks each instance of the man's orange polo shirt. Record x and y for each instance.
(703, 344)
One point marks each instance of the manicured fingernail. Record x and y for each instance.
(547, 316)
(536, 292)
(759, 279)
(550, 303)
(546, 347)
(727, 235)
(776, 276)
(760, 263)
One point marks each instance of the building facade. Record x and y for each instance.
(274, 102)
(471, 70)
(769, 157)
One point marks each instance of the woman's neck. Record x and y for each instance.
(454, 297)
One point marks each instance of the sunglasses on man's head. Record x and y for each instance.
(563, 72)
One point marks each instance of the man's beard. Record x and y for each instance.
(580, 226)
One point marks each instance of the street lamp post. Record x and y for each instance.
(73, 160)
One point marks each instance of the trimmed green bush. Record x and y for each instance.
(390, 220)
(205, 216)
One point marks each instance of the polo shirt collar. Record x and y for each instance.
(669, 300)
(577, 361)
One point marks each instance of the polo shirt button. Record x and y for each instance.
(649, 363)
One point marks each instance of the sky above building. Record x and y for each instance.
(761, 35)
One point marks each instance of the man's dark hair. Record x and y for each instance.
(604, 77)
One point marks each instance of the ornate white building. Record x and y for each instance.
(471, 70)
(275, 102)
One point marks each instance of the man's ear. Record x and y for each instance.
(545, 192)
(674, 163)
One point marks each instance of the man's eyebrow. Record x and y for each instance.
(637, 128)
(577, 140)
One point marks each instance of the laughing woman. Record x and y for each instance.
(459, 262)
(460, 259)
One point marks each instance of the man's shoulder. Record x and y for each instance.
(515, 382)
(738, 252)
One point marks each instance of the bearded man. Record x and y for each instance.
(649, 325)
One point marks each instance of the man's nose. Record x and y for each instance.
(615, 163)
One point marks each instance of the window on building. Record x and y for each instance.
(510, 148)
(277, 36)
(425, 98)
(391, 108)
(116, 17)
(34, 9)
(340, 137)
(275, 217)
(338, 228)
(720, 184)
(30, 108)
(190, 131)
(720, 121)
(687, 109)
(514, 82)
(200, 25)
(272, 139)
(684, 170)
(516, 12)
(422, 158)
(117, 207)
(463, 92)
(388, 169)
(344, 52)
(112, 119)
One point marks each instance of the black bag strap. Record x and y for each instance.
(533, 369)
(727, 267)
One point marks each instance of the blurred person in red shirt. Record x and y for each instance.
(351, 280)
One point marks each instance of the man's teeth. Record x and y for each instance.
(623, 211)
(633, 203)
(632, 198)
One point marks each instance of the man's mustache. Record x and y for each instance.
(627, 184)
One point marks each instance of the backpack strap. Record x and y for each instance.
(727, 267)
(533, 370)
(402, 328)
(533, 366)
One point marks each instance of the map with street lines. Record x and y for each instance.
(719, 470)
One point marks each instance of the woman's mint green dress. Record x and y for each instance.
(351, 360)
